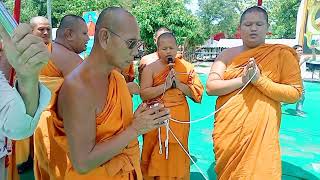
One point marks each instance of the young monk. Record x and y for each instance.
(246, 131)
(94, 129)
(150, 58)
(72, 37)
(157, 86)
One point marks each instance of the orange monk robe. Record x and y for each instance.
(178, 164)
(91, 28)
(150, 58)
(42, 138)
(54, 161)
(128, 73)
(246, 131)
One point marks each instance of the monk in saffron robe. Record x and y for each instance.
(156, 86)
(150, 58)
(246, 130)
(91, 26)
(95, 136)
(70, 41)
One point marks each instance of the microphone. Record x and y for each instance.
(171, 64)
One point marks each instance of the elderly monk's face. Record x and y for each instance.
(43, 30)
(80, 37)
(253, 29)
(125, 43)
(167, 47)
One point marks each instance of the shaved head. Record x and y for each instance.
(117, 36)
(69, 21)
(113, 18)
(166, 35)
(38, 20)
(159, 32)
(72, 33)
(41, 28)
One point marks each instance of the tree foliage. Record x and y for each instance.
(151, 14)
(172, 14)
(284, 19)
(224, 15)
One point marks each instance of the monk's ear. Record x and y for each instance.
(104, 39)
(68, 34)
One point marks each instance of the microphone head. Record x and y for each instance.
(170, 60)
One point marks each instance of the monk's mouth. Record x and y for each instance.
(253, 35)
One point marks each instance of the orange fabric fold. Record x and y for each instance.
(178, 165)
(246, 131)
(129, 73)
(50, 69)
(53, 160)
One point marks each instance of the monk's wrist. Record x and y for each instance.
(258, 81)
(133, 130)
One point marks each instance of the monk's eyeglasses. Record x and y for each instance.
(131, 43)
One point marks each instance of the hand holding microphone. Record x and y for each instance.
(171, 66)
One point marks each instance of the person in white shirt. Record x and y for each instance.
(21, 105)
(302, 63)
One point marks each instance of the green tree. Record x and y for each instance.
(152, 14)
(224, 16)
(29, 8)
(283, 16)
(62, 7)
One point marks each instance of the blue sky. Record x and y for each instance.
(193, 6)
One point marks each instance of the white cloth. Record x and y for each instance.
(14, 122)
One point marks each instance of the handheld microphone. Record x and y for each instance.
(171, 64)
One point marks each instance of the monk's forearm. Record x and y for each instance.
(223, 87)
(105, 151)
(278, 92)
(185, 89)
(152, 92)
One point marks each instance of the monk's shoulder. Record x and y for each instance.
(228, 54)
(184, 62)
(288, 54)
(153, 66)
(144, 59)
(147, 59)
(73, 86)
(65, 60)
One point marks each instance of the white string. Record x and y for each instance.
(212, 114)
(194, 121)
(195, 164)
